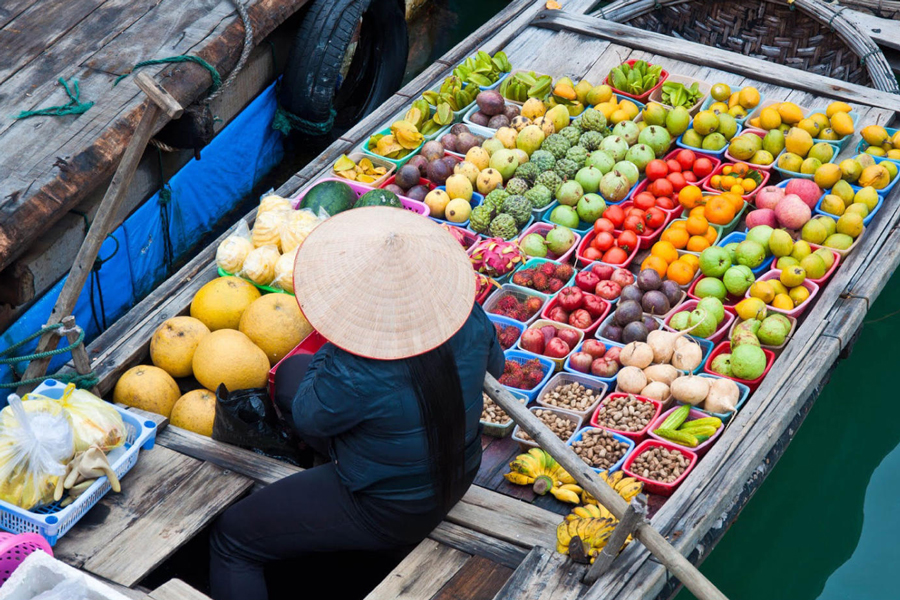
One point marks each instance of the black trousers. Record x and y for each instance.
(308, 513)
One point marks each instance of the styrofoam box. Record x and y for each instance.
(40, 573)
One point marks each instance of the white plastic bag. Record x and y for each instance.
(272, 202)
(259, 266)
(297, 227)
(94, 421)
(36, 442)
(284, 272)
(67, 589)
(234, 249)
(267, 228)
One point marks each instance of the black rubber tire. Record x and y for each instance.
(310, 87)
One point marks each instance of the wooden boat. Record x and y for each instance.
(497, 542)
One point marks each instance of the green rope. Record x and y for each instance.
(86, 380)
(19, 344)
(285, 122)
(216, 78)
(74, 106)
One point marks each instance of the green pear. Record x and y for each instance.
(781, 243)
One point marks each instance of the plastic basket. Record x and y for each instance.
(824, 278)
(598, 334)
(736, 237)
(621, 438)
(862, 145)
(14, 548)
(798, 310)
(725, 229)
(637, 436)
(494, 85)
(309, 345)
(704, 87)
(725, 348)
(564, 378)
(642, 187)
(520, 294)
(376, 160)
(731, 158)
(585, 244)
(422, 181)
(717, 153)
(525, 445)
(523, 357)
(730, 301)
(743, 394)
(504, 429)
(53, 522)
(507, 322)
(536, 75)
(476, 200)
(588, 332)
(789, 174)
(537, 262)
(710, 101)
(646, 240)
(360, 189)
(397, 162)
(651, 485)
(608, 381)
(543, 229)
(592, 266)
(694, 414)
(842, 142)
(720, 331)
(776, 349)
(747, 197)
(557, 362)
(639, 97)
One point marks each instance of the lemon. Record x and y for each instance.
(778, 287)
(751, 308)
(749, 97)
(836, 107)
(762, 290)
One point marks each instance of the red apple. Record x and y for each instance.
(594, 305)
(608, 290)
(568, 336)
(587, 280)
(558, 314)
(581, 361)
(581, 319)
(570, 298)
(603, 367)
(603, 271)
(595, 348)
(613, 354)
(532, 341)
(623, 277)
(557, 349)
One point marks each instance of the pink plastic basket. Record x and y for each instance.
(360, 189)
(730, 300)
(651, 485)
(748, 197)
(720, 331)
(799, 310)
(701, 448)
(14, 547)
(543, 229)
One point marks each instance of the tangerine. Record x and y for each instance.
(749, 185)
(711, 235)
(676, 236)
(680, 272)
(719, 211)
(697, 243)
(696, 225)
(737, 201)
(666, 250)
(692, 260)
(656, 263)
(690, 196)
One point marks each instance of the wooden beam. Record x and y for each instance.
(634, 514)
(558, 20)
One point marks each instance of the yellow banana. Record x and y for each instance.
(582, 512)
(565, 495)
(562, 534)
(519, 478)
(614, 478)
(562, 548)
(629, 489)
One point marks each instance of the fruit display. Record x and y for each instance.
(842, 199)
(495, 257)
(710, 132)
(801, 155)
(572, 396)
(507, 304)
(628, 322)
(452, 92)
(605, 281)
(738, 104)
(555, 341)
(659, 463)
(705, 318)
(526, 375)
(635, 77)
(693, 234)
(547, 278)
(880, 141)
(784, 291)
(363, 171)
(675, 94)
(674, 120)
(740, 178)
(861, 171)
(585, 532)
(685, 429)
(831, 124)
(599, 449)
(502, 215)
(572, 306)
(561, 423)
(494, 113)
(483, 69)
(507, 335)
(768, 330)
(668, 263)
(541, 471)
(666, 178)
(552, 242)
(625, 413)
(651, 368)
(397, 142)
(525, 85)
(428, 122)
(746, 360)
(756, 148)
(616, 110)
(595, 358)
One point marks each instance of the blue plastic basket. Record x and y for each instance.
(738, 237)
(476, 200)
(620, 438)
(862, 145)
(818, 209)
(882, 192)
(53, 522)
(505, 321)
(495, 85)
(742, 399)
(793, 174)
(522, 357)
(609, 381)
(710, 100)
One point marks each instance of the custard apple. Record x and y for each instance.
(571, 133)
(550, 180)
(528, 171)
(519, 207)
(590, 140)
(593, 120)
(578, 155)
(543, 160)
(557, 145)
(480, 219)
(566, 168)
(504, 226)
(539, 196)
(517, 186)
(494, 200)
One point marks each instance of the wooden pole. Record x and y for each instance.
(634, 514)
(679, 566)
(79, 354)
(160, 101)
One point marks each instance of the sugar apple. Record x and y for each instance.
(578, 155)
(480, 219)
(543, 160)
(519, 207)
(550, 180)
(590, 140)
(566, 168)
(539, 196)
(528, 171)
(504, 226)
(517, 186)
(571, 133)
(494, 200)
(557, 145)
(593, 120)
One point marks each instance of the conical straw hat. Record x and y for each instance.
(383, 282)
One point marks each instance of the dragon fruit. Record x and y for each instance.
(457, 233)
(495, 257)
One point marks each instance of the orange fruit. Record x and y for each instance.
(697, 211)
(719, 211)
(680, 224)
(696, 225)
(740, 169)
(656, 263)
(690, 196)
(692, 260)
(736, 200)
(666, 250)
(728, 182)
(716, 181)
(711, 235)
(697, 243)
(726, 170)
(680, 272)
(677, 236)
(749, 185)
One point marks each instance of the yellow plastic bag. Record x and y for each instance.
(36, 442)
(94, 421)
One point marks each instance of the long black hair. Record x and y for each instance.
(435, 381)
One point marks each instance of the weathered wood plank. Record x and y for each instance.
(421, 574)
(479, 544)
(168, 525)
(176, 589)
(544, 575)
(505, 518)
(478, 579)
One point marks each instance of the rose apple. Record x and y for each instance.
(568, 336)
(613, 354)
(557, 348)
(581, 361)
(580, 319)
(608, 290)
(594, 305)
(595, 348)
(622, 276)
(604, 367)
(532, 341)
(558, 314)
(570, 298)
(587, 281)
(603, 271)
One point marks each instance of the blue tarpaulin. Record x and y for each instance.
(134, 256)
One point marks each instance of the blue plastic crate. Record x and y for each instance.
(742, 399)
(505, 321)
(862, 145)
(740, 236)
(53, 522)
(522, 357)
(818, 209)
(620, 438)
(476, 200)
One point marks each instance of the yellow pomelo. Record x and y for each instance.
(275, 324)
(172, 345)
(148, 388)
(195, 411)
(220, 303)
(230, 357)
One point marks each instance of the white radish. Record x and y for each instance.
(631, 380)
(691, 389)
(663, 373)
(656, 390)
(723, 396)
(688, 356)
(664, 343)
(636, 354)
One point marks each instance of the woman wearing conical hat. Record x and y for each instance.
(394, 399)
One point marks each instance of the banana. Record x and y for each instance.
(563, 536)
(581, 512)
(562, 548)
(519, 478)
(565, 495)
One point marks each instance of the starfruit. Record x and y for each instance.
(415, 117)
(344, 163)
(366, 165)
(363, 178)
(373, 140)
(431, 97)
(444, 114)
(388, 146)
(430, 127)
(406, 134)
(351, 174)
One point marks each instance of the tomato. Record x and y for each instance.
(677, 180)
(592, 253)
(615, 256)
(635, 223)
(689, 176)
(655, 218)
(665, 203)
(703, 167)
(634, 211)
(661, 187)
(602, 224)
(615, 214)
(686, 159)
(674, 166)
(656, 169)
(603, 242)
(644, 200)
(628, 240)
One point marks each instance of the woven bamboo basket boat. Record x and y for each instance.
(805, 34)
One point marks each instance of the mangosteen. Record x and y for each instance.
(417, 192)
(498, 121)
(672, 291)
(648, 279)
(449, 141)
(490, 102)
(634, 332)
(627, 311)
(407, 176)
(650, 323)
(459, 128)
(393, 187)
(439, 171)
(465, 142)
(432, 150)
(613, 333)
(631, 292)
(479, 139)
(421, 163)
(451, 162)
(511, 111)
(655, 303)
(479, 118)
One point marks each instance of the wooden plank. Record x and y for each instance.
(544, 575)
(10, 9)
(421, 574)
(176, 589)
(168, 525)
(478, 579)
(705, 55)
(885, 32)
(505, 518)
(478, 544)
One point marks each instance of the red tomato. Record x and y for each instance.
(661, 187)
(644, 200)
(628, 240)
(592, 253)
(677, 181)
(689, 176)
(674, 166)
(615, 256)
(603, 242)
(655, 218)
(615, 214)
(665, 203)
(635, 223)
(602, 224)
(634, 211)
(703, 167)
(656, 169)
(686, 159)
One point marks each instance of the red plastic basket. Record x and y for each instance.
(642, 97)
(798, 310)
(309, 345)
(360, 189)
(542, 229)
(585, 244)
(651, 485)
(747, 197)
(725, 347)
(723, 328)
(648, 239)
(637, 436)
(701, 448)
(554, 301)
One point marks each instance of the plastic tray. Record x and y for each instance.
(476, 200)
(747, 197)
(729, 301)
(721, 330)
(717, 153)
(398, 162)
(710, 101)
(705, 88)
(862, 145)
(308, 345)
(360, 189)
(543, 229)
(794, 174)
(722, 229)
(594, 325)
(799, 310)
(525, 445)
(598, 334)
(471, 111)
(53, 522)
(642, 187)
(621, 438)
(608, 381)
(640, 97)
(557, 362)
(537, 262)
(842, 142)
(597, 263)
(564, 378)
(725, 348)
(586, 242)
(646, 240)
(775, 349)
(506, 429)
(738, 237)
(457, 114)
(730, 157)
(520, 293)
(377, 161)
(693, 415)
(651, 485)
(637, 436)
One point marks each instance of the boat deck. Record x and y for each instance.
(497, 542)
